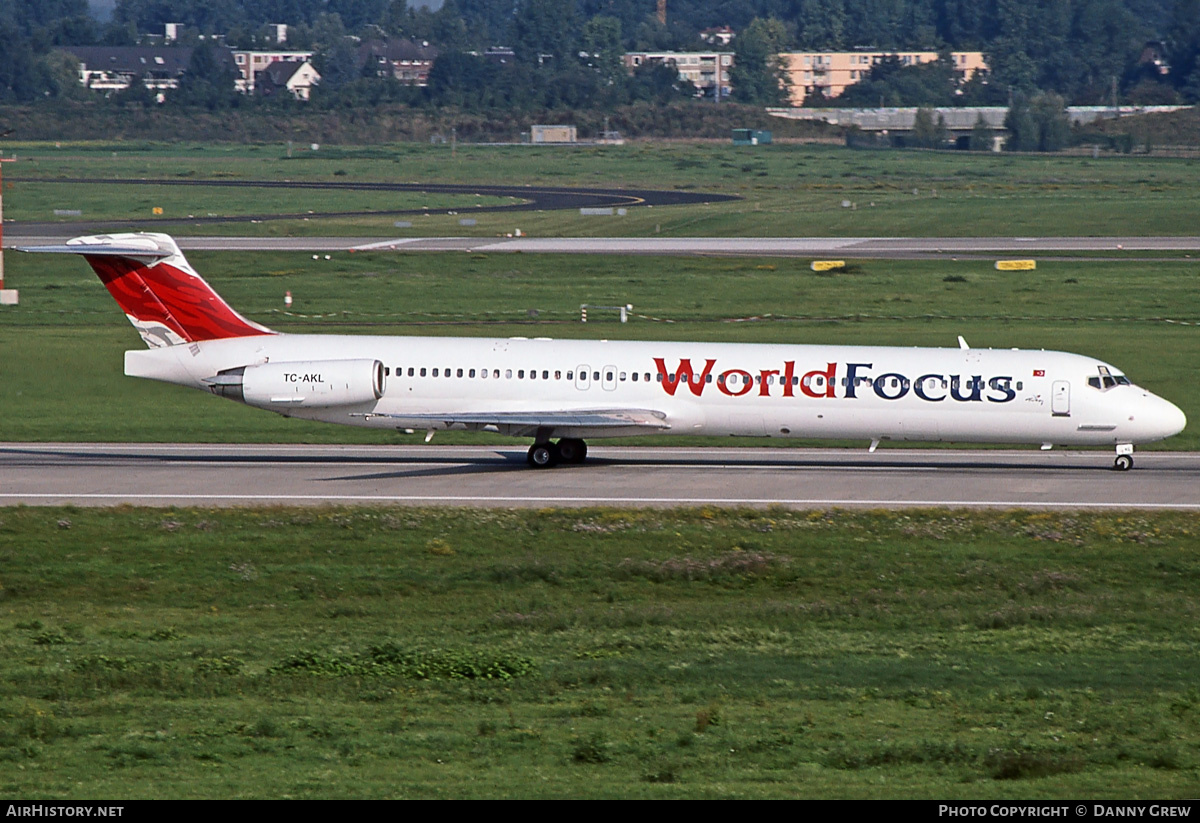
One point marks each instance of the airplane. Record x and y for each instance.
(564, 392)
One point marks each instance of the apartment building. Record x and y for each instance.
(833, 71)
(708, 71)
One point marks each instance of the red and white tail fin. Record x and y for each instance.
(161, 294)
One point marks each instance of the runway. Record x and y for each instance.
(86, 474)
(854, 247)
(849, 247)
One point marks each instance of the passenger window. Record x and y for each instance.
(635, 377)
(595, 375)
(460, 372)
(508, 374)
(557, 374)
(496, 374)
(520, 374)
(410, 371)
(471, 373)
(435, 372)
(570, 375)
(422, 371)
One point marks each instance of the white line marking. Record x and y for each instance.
(681, 501)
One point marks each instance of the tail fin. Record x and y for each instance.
(161, 294)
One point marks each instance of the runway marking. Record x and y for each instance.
(642, 501)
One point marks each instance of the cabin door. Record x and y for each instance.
(1060, 399)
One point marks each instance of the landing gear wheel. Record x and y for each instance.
(1123, 463)
(572, 450)
(543, 455)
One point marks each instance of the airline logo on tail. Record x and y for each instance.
(161, 294)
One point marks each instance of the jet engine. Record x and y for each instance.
(308, 384)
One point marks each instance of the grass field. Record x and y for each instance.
(704, 653)
(1141, 316)
(788, 190)
(380, 652)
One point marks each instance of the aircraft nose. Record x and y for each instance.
(1174, 419)
(1167, 418)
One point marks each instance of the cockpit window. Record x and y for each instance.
(1107, 380)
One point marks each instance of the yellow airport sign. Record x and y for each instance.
(1016, 265)
(828, 265)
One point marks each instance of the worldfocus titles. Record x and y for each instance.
(848, 380)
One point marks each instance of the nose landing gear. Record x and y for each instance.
(1124, 461)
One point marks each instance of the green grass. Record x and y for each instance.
(40, 200)
(63, 345)
(789, 189)
(597, 653)
(705, 653)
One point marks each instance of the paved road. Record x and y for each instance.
(224, 475)
(849, 247)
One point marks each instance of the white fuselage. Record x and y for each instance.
(776, 390)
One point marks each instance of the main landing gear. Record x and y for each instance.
(566, 450)
(1124, 461)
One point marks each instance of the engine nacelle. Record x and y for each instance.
(307, 384)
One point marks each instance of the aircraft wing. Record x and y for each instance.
(554, 419)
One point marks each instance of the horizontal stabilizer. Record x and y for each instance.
(102, 250)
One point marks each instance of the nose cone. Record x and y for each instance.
(1174, 419)
(1165, 419)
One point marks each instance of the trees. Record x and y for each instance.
(981, 135)
(545, 29)
(928, 133)
(208, 82)
(757, 74)
(1183, 49)
(1037, 124)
